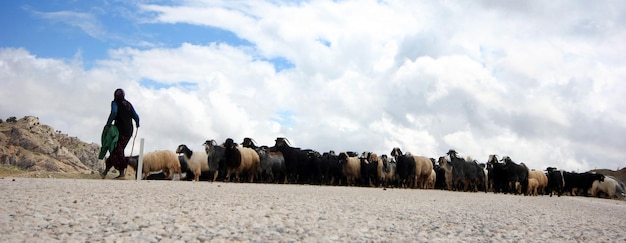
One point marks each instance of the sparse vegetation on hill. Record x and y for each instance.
(14, 171)
(28, 145)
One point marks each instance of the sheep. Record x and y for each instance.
(446, 165)
(541, 178)
(333, 174)
(515, 173)
(497, 180)
(351, 167)
(215, 157)
(423, 167)
(389, 170)
(240, 160)
(580, 182)
(371, 169)
(556, 181)
(313, 172)
(303, 165)
(431, 180)
(610, 187)
(405, 168)
(461, 172)
(440, 180)
(620, 190)
(416, 169)
(272, 164)
(160, 160)
(486, 172)
(373, 158)
(249, 143)
(198, 161)
(533, 185)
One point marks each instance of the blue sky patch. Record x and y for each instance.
(152, 84)
(173, 35)
(281, 63)
(284, 117)
(92, 31)
(327, 43)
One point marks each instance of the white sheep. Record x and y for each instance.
(351, 167)
(413, 171)
(610, 187)
(431, 180)
(541, 178)
(389, 170)
(160, 160)
(423, 168)
(197, 161)
(533, 184)
(164, 160)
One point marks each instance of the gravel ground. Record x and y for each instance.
(49, 210)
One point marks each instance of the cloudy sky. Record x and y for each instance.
(540, 81)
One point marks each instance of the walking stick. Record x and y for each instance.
(133, 147)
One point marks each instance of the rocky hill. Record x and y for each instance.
(32, 146)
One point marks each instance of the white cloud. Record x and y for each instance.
(415, 138)
(84, 21)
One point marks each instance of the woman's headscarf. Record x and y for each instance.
(118, 96)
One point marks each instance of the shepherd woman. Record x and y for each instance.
(122, 114)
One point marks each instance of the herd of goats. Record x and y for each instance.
(285, 164)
